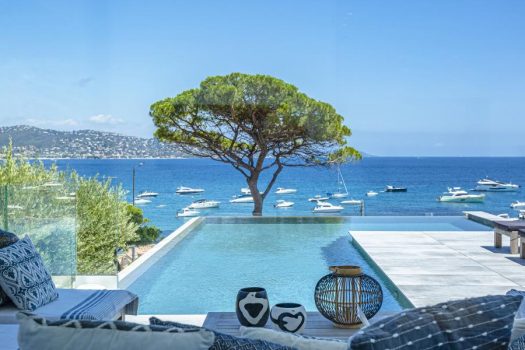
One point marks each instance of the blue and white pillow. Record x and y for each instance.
(225, 341)
(23, 276)
(477, 323)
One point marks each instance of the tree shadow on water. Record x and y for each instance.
(341, 252)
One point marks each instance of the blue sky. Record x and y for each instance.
(444, 77)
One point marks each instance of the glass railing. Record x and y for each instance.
(77, 230)
(47, 214)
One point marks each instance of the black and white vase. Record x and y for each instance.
(289, 317)
(252, 307)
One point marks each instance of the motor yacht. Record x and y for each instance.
(371, 193)
(522, 215)
(188, 190)
(317, 198)
(283, 204)
(141, 201)
(281, 190)
(390, 188)
(352, 201)
(325, 207)
(517, 204)
(187, 212)
(246, 190)
(147, 194)
(204, 204)
(245, 198)
(490, 185)
(457, 195)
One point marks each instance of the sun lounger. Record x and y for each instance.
(81, 304)
(510, 229)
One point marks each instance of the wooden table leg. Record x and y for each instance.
(497, 240)
(514, 242)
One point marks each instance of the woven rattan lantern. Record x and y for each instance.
(339, 294)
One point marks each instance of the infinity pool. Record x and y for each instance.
(287, 256)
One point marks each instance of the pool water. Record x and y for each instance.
(285, 255)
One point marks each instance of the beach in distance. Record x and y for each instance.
(425, 178)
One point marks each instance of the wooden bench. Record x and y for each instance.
(484, 218)
(510, 229)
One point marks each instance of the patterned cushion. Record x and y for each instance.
(6, 239)
(38, 333)
(225, 341)
(24, 277)
(477, 323)
(518, 344)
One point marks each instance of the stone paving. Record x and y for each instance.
(432, 267)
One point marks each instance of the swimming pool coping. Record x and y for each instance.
(131, 273)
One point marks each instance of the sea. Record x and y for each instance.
(426, 178)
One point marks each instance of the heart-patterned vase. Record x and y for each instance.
(288, 317)
(252, 307)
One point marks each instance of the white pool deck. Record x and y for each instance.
(432, 267)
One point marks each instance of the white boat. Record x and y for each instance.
(246, 190)
(282, 190)
(340, 181)
(246, 198)
(188, 190)
(51, 184)
(490, 185)
(283, 204)
(187, 212)
(457, 195)
(317, 198)
(522, 215)
(517, 204)
(352, 201)
(141, 201)
(204, 204)
(371, 193)
(147, 194)
(65, 198)
(325, 207)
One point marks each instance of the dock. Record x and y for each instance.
(432, 267)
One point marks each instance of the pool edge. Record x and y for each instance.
(130, 274)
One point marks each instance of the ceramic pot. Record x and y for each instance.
(288, 317)
(252, 307)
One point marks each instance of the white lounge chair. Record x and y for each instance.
(81, 304)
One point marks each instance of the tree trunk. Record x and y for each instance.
(258, 199)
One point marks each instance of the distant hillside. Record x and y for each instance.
(34, 142)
